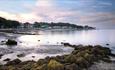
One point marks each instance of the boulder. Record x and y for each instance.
(54, 65)
(71, 67)
(7, 59)
(1, 56)
(21, 55)
(70, 58)
(13, 62)
(11, 42)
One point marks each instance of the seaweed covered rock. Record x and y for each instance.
(81, 58)
(42, 67)
(54, 65)
(41, 62)
(14, 62)
(70, 59)
(11, 42)
(27, 65)
(7, 68)
(71, 67)
(82, 62)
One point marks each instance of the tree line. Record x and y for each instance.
(4, 23)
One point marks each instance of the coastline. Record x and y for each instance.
(82, 57)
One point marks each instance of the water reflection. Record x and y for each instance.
(75, 37)
(48, 43)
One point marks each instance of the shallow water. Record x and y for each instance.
(48, 43)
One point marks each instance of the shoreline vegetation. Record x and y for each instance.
(81, 58)
(12, 26)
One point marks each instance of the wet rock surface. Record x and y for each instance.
(14, 62)
(82, 58)
(11, 42)
(7, 59)
(21, 55)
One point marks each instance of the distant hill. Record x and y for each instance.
(59, 25)
(4, 23)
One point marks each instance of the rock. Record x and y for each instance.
(7, 59)
(7, 68)
(81, 58)
(54, 65)
(71, 67)
(66, 44)
(27, 65)
(70, 58)
(113, 55)
(2, 41)
(21, 55)
(60, 58)
(14, 62)
(27, 62)
(82, 62)
(11, 42)
(33, 56)
(1, 56)
(41, 62)
(107, 44)
(42, 67)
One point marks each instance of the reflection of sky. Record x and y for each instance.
(76, 37)
(48, 43)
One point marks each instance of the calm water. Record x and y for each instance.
(48, 43)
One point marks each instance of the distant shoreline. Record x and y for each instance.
(27, 31)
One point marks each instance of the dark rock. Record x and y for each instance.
(27, 65)
(70, 58)
(2, 41)
(71, 67)
(113, 55)
(41, 62)
(42, 67)
(27, 62)
(107, 44)
(14, 62)
(7, 59)
(11, 42)
(33, 56)
(1, 56)
(21, 55)
(66, 44)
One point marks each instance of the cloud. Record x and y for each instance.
(22, 17)
(43, 3)
(55, 11)
(73, 11)
(97, 17)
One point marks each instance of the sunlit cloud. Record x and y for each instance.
(28, 17)
(83, 12)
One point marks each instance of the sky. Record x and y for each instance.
(98, 13)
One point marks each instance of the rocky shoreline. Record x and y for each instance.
(82, 58)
